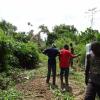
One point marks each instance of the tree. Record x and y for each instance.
(65, 31)
(88, 35)
(44, 29)
(7, 27)
(51, 39)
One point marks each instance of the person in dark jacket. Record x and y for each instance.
(92, 72)
(52, 53)
(72, 51)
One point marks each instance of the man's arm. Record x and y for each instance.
(45, 51)
(74, 56)
(58, 52)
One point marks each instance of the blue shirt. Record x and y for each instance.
(52, 54)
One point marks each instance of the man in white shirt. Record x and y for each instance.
(88, 51)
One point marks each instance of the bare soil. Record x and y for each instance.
(38, 89)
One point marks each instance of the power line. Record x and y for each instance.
(92, 11)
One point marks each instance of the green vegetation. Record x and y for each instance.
(11, 94)
(21, 56)
(63, 96)
(16, 53)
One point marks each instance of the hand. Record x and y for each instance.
(79, 54)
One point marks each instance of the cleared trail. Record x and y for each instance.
(38, 89)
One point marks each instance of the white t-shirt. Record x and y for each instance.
(88, 48)
(88, 51)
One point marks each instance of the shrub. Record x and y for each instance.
(4, 51)
(26, 54)
(15, 54)
(11, 94)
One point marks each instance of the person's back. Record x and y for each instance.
(92, 72)
(65, 57)
(94, 69)
(64, 60)
(52, 53)
(95, 63)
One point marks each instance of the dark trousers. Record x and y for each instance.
(51, 68)
(91, 91)
(71, 62)
(64, 72)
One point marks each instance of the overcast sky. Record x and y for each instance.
(50, 13)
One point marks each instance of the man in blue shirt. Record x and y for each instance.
(52, 53)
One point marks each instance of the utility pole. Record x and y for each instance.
(92, 12)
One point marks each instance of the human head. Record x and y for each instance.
(71, 44)
(95, 47)
(66, 47)
(53, 45)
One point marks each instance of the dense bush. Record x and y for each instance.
(27, 54)
(4, 52)
(15, 54)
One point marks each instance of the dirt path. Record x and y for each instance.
(77, 91)
(37, 89)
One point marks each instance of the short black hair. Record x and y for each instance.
(71, 44)
(66, 46)
(95, 47)
(54, 45)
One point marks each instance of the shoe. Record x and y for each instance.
(62, 86)
(47, 82)
(67, 87)
(54, 86)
